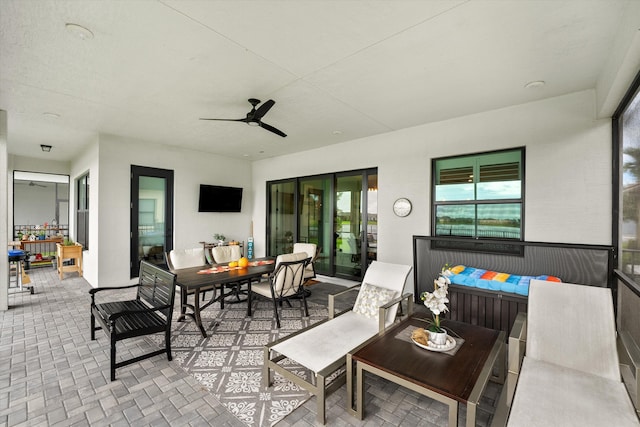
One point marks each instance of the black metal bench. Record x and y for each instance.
(149, 313)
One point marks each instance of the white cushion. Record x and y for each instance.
(334, 338)
(292, 281)
(185, 258)
(310, 249)
(284, 282)
(224, 254)
(552, 395)
(370, 298)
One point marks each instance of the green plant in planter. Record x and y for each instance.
(68, 242)
(219, 237)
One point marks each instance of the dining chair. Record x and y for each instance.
(286, 282)
(187, 258)
(227, 253)
(312, 251)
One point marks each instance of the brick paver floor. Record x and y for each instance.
(52, 374)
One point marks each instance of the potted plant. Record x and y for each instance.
(220, 238)
(436, 301)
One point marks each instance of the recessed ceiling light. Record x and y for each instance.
(45, 148)
(52, 115)
(79, 31)
(337, 132)
(535, 84)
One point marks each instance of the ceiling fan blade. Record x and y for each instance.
(226, 120)
(272, 129)
(263, 109)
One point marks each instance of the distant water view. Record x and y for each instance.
(464, 230)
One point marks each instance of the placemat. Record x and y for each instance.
(405, 335)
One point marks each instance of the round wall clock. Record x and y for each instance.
(402, 207)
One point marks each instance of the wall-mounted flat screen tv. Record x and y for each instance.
(215, 198)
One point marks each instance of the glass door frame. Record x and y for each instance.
(328, 222)
(136, 173)
(363, 235)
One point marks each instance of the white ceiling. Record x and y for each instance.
(338, 70)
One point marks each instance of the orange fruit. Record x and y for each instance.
(243, 262)
(233, 264)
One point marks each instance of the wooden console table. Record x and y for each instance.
(26, 245)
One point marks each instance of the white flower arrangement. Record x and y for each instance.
(437, 300)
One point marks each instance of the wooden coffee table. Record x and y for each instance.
(450, 379)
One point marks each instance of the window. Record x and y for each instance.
(479, 196)
(626, 148)
(82, 210)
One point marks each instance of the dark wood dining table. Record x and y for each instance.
(196, 280)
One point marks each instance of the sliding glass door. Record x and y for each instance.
(337, 212)
(314, 221)
(356, 222)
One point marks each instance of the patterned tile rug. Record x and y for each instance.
(229, 361)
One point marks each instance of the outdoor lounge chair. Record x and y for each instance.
(375, 308)
(570, 374)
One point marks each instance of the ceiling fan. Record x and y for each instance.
(254, 117)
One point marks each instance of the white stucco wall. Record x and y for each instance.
(87, 162)
(4, 211)
(110, 199)
(568, 170)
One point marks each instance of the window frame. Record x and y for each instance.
(82, 186)
(477, 159)
(618, 145)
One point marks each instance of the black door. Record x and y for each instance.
(151, 215)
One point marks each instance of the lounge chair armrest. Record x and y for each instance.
(629, 356)
(517, 344)
(341, 293)
(382, 310)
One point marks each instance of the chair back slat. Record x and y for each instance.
(157, 287)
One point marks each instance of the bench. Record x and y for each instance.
(149, 313)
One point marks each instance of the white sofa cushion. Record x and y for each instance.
(552, 395)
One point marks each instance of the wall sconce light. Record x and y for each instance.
(45, 148)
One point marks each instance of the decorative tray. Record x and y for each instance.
(450, 345)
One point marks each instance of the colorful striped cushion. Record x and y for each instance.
(495, 281)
